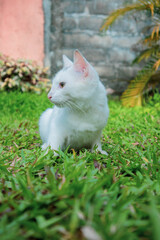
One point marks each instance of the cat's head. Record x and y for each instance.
(77, 81)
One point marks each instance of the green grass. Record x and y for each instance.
(77, 195)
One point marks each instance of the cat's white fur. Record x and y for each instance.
(81, 109)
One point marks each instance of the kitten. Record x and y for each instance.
(81, 109)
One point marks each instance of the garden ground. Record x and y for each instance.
(79, 195)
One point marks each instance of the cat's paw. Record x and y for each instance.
(44, 146)
(104, 152)
(55, 153)
(100, 151)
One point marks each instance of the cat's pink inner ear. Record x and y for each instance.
(80, 63)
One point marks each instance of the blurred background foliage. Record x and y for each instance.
(148, 78)
(22, 75)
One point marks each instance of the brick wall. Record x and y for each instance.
(75, 25)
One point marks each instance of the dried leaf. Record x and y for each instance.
(97, 164)
(135, 144)
(145, 159)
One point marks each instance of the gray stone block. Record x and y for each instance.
(101, 7)
(121, 55)
(69, 23)
(74, 6)
(67, 52)
(118, 85)
(94, 55)
(125, 24)
(105, 7)
(105, 71)
(125, 41)
(79, 40)
(90, 23)
(126, 73)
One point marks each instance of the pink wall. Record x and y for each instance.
(22, 29)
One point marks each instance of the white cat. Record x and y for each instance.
(81, 109)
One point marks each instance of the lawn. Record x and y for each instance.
(79, 195)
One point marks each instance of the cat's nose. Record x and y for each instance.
(49, 96)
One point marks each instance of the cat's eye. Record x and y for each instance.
(62, 84)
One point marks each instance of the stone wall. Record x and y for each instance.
(75, 25)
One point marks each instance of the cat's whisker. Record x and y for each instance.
(76, 107)
(68, 105)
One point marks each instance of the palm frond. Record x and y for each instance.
(147, 53)
(132, 96)
(148, 41)
(155, 31)
(157, 64)
(155, 2)
(143, 5)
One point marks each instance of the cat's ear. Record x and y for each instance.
(66, 61)
(80, 64)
